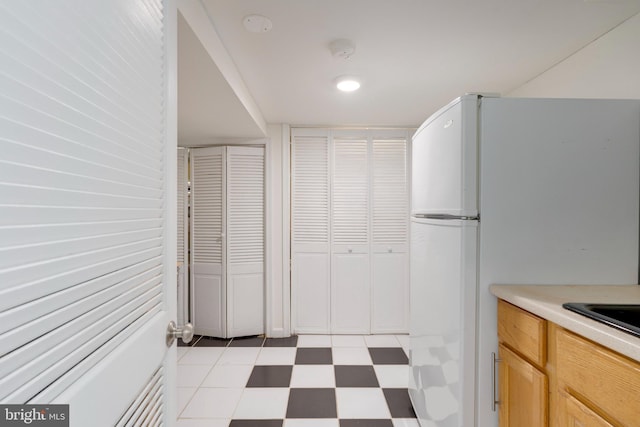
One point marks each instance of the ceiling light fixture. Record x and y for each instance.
(347, 83)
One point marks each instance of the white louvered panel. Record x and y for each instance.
(207, 196)
(68, 319)
(350, 192)
(54, 80)
(81, 186)
(390, 192)
(245, 205)
(145, 409)
(182, 203)
(310, 190)
(49, 367)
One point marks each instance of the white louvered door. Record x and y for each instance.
(208, 241)
(349, 213)
(87, 283)
(182, 233)
(310, 250)
(227, 241)
(389, 233)
(350, 291)
(245, 241)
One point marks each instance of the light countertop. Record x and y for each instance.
(546, 301)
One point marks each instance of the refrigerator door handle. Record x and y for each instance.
(494, 401)
(447, 217)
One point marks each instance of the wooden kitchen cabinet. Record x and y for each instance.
(579, 415)
(523, 392)
(605, 383)
(523, 385)
(551, 376)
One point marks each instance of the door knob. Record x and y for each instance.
(185, 333)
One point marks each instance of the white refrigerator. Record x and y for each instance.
(510, 191)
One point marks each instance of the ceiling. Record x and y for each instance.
(412, 56)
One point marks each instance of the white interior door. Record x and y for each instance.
(389, 234)
(245, 241)
(182, 233)
(350, 288)
(310, 213)
(87, 182)
(208, 241)
(349, 231)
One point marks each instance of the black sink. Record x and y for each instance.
(625, 317)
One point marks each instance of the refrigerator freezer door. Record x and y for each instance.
(444, 161)
(443, 309)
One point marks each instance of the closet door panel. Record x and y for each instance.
(389, 223)
(311, 308)
(245, 241)
(245, 300)
(350, 293)
(208, 225)
(310, 231)
(350, 289)
(390, 296)
(208, 299)
(182, 224)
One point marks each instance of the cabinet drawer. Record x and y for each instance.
(602, 378)
(523, 332)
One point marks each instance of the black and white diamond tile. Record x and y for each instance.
(304, 381)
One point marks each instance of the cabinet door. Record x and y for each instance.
(578, 415)
(523, 392)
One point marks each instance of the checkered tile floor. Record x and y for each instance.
(303, 381)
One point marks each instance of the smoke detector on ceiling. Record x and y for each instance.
(342, 48)
(257, 23)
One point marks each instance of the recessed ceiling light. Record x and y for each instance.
(347, 83)
(257, 23)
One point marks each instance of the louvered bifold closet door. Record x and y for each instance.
(208, 240)
(182, 225)
(350, 290)
(389, 224)
(82, 204)
(310, 231)
(245, 241)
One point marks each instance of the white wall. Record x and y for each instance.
(607, 68)
(277, 324)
